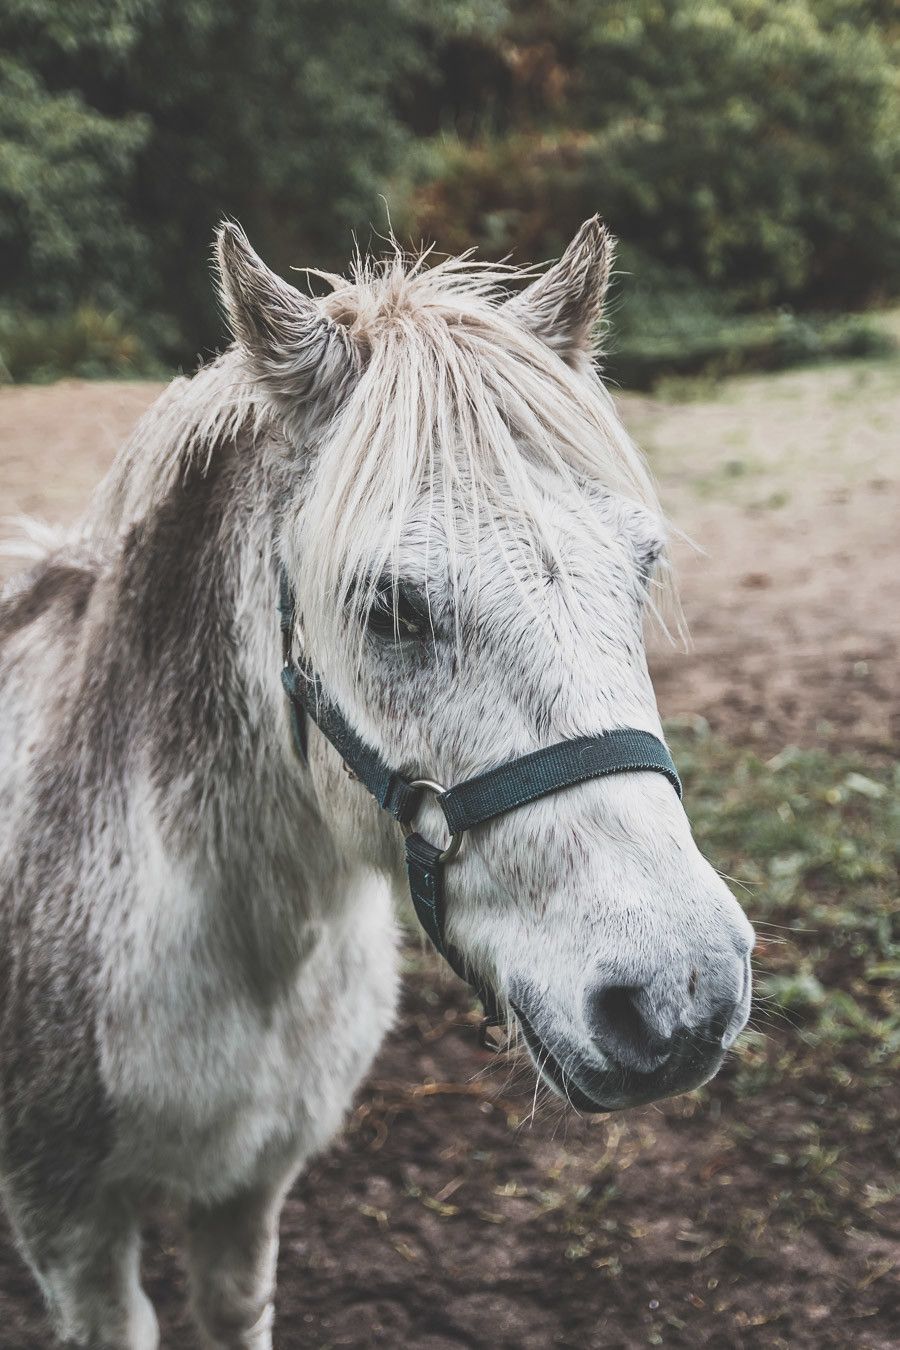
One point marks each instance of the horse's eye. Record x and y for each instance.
(398, 614)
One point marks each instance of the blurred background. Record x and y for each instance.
(745, 152)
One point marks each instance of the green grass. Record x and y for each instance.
(810, 843)
(87, 344)
(812, 838)
(679, 338)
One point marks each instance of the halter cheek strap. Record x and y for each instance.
(467, 804)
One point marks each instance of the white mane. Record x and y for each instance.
(185, 424)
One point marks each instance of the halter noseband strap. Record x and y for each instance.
(467, 804)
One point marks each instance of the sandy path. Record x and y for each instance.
(789, 483)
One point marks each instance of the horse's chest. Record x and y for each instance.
(229, 1092)
(221, 1081)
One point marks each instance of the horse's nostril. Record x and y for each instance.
(717, 1023)
(623, 1031)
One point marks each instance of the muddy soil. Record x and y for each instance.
(451, 1214)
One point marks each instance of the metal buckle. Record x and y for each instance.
(455, 843)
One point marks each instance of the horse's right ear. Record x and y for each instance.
(295, 349)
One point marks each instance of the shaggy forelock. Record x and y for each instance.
(458, 405)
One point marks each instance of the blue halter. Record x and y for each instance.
(467, 804)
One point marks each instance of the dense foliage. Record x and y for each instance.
(745, 150)
(753, 144)
(129, 127)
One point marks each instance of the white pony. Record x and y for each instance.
(197, 942)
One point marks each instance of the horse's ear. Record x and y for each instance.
(299, 352)
(565, 303)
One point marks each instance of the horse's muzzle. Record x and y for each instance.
(594, 1083)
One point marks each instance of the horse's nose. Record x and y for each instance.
(639, 1030)
(623, 1025)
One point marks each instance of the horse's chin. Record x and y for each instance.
(595, 1086)
(551, 1071)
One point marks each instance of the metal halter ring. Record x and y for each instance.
(407, 827)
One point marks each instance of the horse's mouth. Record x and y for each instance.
(550, 1069)
(597, 1091)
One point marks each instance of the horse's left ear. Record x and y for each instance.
(296, 350)
(564, 305)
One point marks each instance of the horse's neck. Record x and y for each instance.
(193, 670)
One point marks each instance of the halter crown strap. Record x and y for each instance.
(469, 803)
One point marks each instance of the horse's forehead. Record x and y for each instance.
(575, 523)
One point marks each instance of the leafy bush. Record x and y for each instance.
(677, 333)
(747, 149)
(516, 194)
(128, 129)
(85, 342)
(755, 143)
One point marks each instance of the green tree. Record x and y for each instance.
(745, 151)
(119, 152)
(751, 144)
(278, 113)
(66, 167)
(756, 142)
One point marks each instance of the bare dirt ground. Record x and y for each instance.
(446, 1217)
(791, 486)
